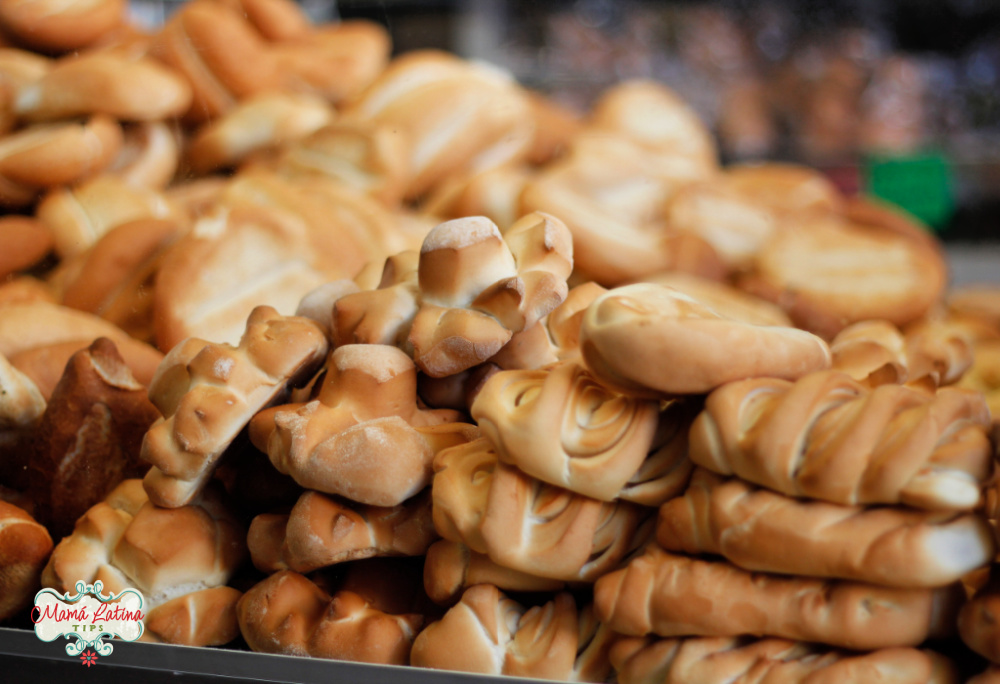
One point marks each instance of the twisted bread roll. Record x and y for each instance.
(286, 613)
(554, 338)
(93, 428)
(321, 531)
(149, 156)
(661, 593)
(875, 352)
(562, 427)
(826, 437)
(105, 82)
(180, 559)
(363, 437)
(25, 546)
(208, 392)
(666, 470)
(497, 636)
(381, 315)
(460, 116)
(452, 567)
(524, 524)
(719, 660)
(759, 530)
(650, 340)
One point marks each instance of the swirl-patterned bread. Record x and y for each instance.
(760, 530)
(671, 595)
(322, 531)
(524, 524)
(363, 437)
(180, 559)
(724, 660)
(208, 392)
(653, 341)
(562, 427)
(287, 613)
(827, 437)
(488, 633)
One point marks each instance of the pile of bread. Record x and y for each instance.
(394, 361)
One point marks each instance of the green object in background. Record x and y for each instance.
(919, 183)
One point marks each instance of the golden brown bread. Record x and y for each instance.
(261, 122)
(25, 240)
(671, 595)
(460, 116)
(89, 437)
(494, 193)
(220, 54)
(452, 567)
(208, 392)
(25, 546)
(321, 531)
(287, 613)
(714, 660)
(275, 19)
(760, 530)
(724, 299)
(364, 436)
(561, 426)
(827, 437)
(524, 524)
(180, 559)
(335, 61)
(105, 82)
(59, 26)
(978, 619)
(830, 273)
(650, 340)
(149, 156)
(26, 325)
(488, 633)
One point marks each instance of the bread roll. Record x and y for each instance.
(724, 299)
(105, 82)
(652, 341)
(488, 633)
(714, 660)
(670, 595)
(827, 437)
(93, 428)
(321, 531)
(208, 392)
(25, 241)
(364, 436)
(288, 614)
(25, 546)
(263, 121)
(59, 26)
(149, 156)
(759, 530)
(562, 427)
(524, 524)
(487, 116)
(180, 559)
(977, 621)
(27, 325)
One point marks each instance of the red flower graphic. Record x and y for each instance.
(88, 658)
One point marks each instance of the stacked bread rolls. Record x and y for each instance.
(424, 369)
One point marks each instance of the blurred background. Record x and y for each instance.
(895, 98)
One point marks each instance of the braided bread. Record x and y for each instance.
(829, 438)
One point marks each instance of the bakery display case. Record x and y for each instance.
(499, 341)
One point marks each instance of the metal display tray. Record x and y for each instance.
(24, 659)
